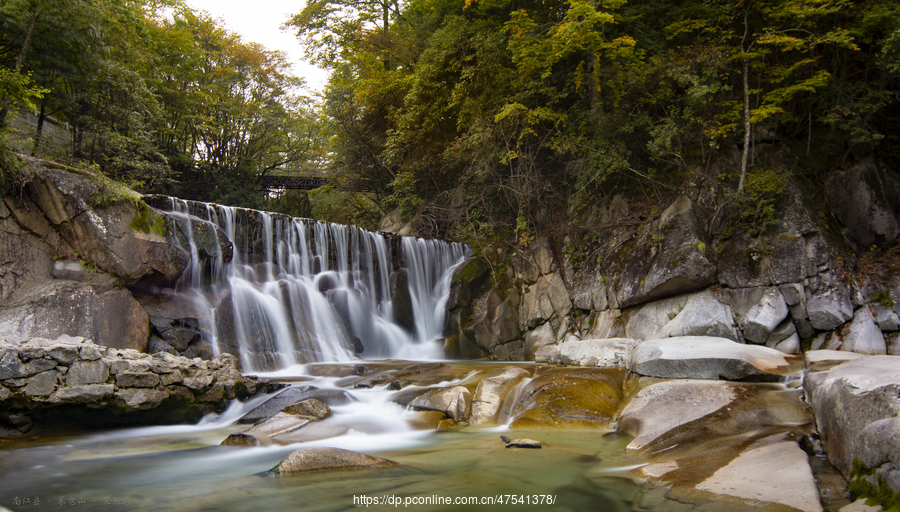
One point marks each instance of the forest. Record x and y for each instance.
(471, 118)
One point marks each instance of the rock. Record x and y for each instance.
(864, 337)
(493, 392)
(50, 308)
(547, 354)
(860, 505)
(785, 330)
(769, 471)
(42, 384)
(608, 353)
(863, 200)
(697, 357)
(455, 402)
(560, 398)
(542, 336)
(828, 303)
(702, 315)
(281, 423)
(105, 236)
(86, 394)
(11, 366)
(87, 372)
(661, 408)
(648, 322)
(311, 408)
(320, 459)
(293, 395)
(240, 439)
(393, 223)
(789, 346)
(137, 380)
(142, 399)
(880, 452)
(494, 321)
(885, 317)
(893, 343)
(678, 266)
(545, 301)
(764, 317)
(523, 443)
(847, 399)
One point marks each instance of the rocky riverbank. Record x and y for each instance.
(71, 384)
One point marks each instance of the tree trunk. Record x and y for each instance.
(20, 59)
(40, 129)
(746, 153)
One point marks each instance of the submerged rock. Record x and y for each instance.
(523, 443)
(700, 357)
(322, 459)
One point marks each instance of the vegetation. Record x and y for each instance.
(474, 117)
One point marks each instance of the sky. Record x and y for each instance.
(259, 21)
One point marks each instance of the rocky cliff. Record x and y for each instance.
(811, 279)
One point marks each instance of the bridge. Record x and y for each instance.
(279, 179)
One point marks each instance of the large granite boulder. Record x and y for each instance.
(828, 302)
(864, 336)
(48, 309)
(855, 404)
(105, 223)
(698, 314)
(698, 357)
(864, 200)
(675, 261)
(455, 402)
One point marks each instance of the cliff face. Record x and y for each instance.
(811, 278)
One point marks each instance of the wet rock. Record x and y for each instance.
(523, 443)
(608, 353)
(455, 402)
(493, 392)
(697, 357)
(293, 395)
(240, 439)
(281, 423)
(428, 420)
(847, 399)
(311, 408)
(559, 398)
(321, 459)
(864, 337)
(770, 471)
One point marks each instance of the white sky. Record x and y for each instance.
(259, 21)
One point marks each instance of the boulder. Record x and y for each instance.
(608, 353)
(764, 317)
(50, 308)
(880, 452)
(540, 337)
(455, 402)
(847, 399)
(545, 301)
(702, 315)
(864, 336)
(321, 459)
(281, 423)
(560, 398)
(675, 262)
(697, 357)
(23, 256)
(494, 321)
(647, 322)
(493, 392)
(886, 318)
(827, 302)
(863, 199)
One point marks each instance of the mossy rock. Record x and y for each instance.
(570, 398)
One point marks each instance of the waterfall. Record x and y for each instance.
(290, 291)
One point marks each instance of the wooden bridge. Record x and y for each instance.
(292, 180)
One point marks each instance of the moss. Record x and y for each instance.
(861, 486)
(883, 297)
(146, 221)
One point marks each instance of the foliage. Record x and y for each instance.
(754, 209)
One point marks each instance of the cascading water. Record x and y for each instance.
(292, 291)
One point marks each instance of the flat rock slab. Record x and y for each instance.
(559, 398)
(523, 443)
(702, 357)
(773, 472)
(323, 459)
